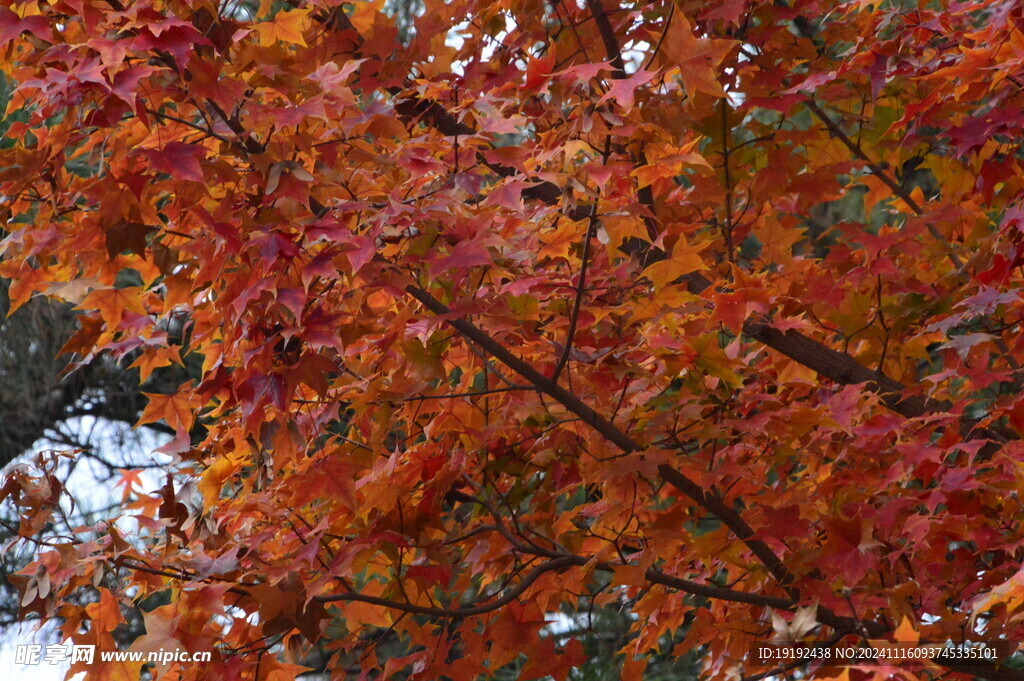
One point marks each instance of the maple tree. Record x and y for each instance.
(530, 313)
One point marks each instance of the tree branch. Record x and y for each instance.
(578, 302)
(832, 364)
(900, 191)
(709, 501)
(608, 37)
(457, 613)
(475, 393)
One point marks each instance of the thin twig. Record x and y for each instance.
(580, 289)
(476, 393)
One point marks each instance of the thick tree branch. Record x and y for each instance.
(608, 37)
(843, 369)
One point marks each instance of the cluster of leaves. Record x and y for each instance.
(448, 385)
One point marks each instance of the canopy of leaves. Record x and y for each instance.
(707, 312)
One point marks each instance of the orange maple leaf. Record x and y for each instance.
(697, 58)
(113, 302)
(176, 410)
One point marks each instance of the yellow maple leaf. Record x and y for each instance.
(215, 476)
(684, 259)
(285, 27)
(622, 226)
(558, 242)
(713, 361)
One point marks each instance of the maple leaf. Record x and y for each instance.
(668, 167)
(509, 194)
(126, 82)
(538, 71)
(729, 10)
(683, 260)
(74, 291)
(465, 254)
(777, 239)
(963, 343)
(633, 667)
(176, 409)
(286, 26)
(697, 58)
(161, 635)
(105, 613)
(906, 632)
(124, 235)
(130, 479)
(154, 358)
(178, 159)
(623, 90)
(24, 284)
(476, 331)
(112, 303)
(215, 476)
(12, 25)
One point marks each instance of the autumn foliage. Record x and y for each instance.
(713, 304)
